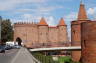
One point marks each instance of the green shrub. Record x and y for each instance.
(43, 58)
(48, 59)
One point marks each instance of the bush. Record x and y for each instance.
(48, 59)
(65, 59)
(43, 58)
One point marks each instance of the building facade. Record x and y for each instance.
(40, 34)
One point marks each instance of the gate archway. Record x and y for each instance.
(18, 39)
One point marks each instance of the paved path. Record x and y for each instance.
(24, 56)
(8, 56)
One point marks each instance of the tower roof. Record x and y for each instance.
(42, 22)
(82, 12)
(62, 22)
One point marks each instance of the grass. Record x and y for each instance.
(48, 59)
(43, 58)
(65, 59)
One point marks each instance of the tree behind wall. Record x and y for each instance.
(6, 31)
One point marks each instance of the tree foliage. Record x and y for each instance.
(6, 31)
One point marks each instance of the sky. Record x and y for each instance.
(51, 10)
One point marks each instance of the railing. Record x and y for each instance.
(72, 48)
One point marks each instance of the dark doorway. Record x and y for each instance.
(19, 41)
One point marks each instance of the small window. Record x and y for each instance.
(84, 43)
(74, 31)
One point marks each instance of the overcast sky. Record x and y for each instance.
(52, 10)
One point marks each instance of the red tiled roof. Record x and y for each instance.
(82, 13)
(42, 22)
(62, 22)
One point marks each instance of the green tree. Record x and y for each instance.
(6, 31)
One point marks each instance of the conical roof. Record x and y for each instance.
(82, 12)
(42, 22)
(62, 22)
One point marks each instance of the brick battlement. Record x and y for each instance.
(20, 23)
(24, 24)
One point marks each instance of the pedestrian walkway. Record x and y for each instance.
(8, 55)
(24, 56)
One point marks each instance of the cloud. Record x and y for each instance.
(68, 18)
(10, 4)
(45, 10)
(92, 12)
(71, 16)
(31, 18)
(49, 8)
(51, 21)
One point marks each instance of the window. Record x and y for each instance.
(74, 31)
(84, 43)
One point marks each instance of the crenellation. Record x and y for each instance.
(26, 23)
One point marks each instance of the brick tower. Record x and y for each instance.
(43, 31)
(76, 31)
(62, 28)
(88, 42)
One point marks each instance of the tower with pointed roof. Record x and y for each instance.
(43, 31)
(62, 31)
(82, 13)
(76, 31)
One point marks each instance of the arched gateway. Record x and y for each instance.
(18, 39)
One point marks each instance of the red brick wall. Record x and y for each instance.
(38, 35)
(62, 33)
(88, 42)
(76, 38)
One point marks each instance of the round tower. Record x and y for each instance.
(62, 31)
(76, 31)
(88, 42)
(43, 31)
